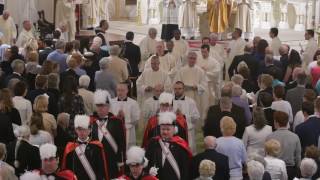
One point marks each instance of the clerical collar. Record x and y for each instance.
(83, 142)
(155, 98)
(180, 98)
(125, 99)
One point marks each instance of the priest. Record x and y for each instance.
(151, 105)
(181, 46)
(168, 152)
(188, 107)
(195, 81)
(147, 47)
(110, 131)
(8, 28)
(127, 109)
(188, 18)
(65, 17)
(153, 129)
(25, 35)
(85, 156)
(310, 49)
(218, 14)
(170, 18)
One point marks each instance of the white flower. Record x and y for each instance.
(153, 171)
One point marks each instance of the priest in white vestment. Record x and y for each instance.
(236, 46)
(150, 78)
(151, 105)
(243, 17)
(127, 108)
(65, 16)
(275, 42)
(147, 47)
(103, 9)
(195, 81)
(25, 35)
(180, 47)
(310, 50)
(167, 61)
(213, 71)
(8, 28)
(188, 18)
(89, 14)
(27, 11)
(170, 18)
(186, 106)
(217, 51)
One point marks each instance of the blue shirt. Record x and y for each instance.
(236, 152)
(59, 58)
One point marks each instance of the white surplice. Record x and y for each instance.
(309, 52)
(8, 28)
(131, 111)
(188, 107)
(89, 14)
(167, 64)
(180, 48)
(24, 37)
(65, 16)
(195, 76)
(147, 48)
(150, 108)
(188, 18)
(275, 45)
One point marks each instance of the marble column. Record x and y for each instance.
(284, 16)
(265, 16)
(300, 8)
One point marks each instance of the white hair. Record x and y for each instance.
(103, 63)
(210, 142)
(236, 90)
(308, 167)
(255, 170)
(84, 81)
(114, 50)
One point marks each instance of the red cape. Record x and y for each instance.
(148, 177)
(181, 142)
(153, 123)
(71, 146)
(67, 174)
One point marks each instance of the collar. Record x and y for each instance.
(282, 128)
(180, 98)
(79, 141)
(155, 98)
(311, 116)
(266, 108)
(125, 99)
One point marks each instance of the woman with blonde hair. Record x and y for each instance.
(40, 105)
(207, 170)
(275, 166)
(232, 147)
(38, 134)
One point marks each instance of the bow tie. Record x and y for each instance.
(125, 99)
(80, 142)
(179, 98)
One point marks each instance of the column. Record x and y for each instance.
(265, 16)
(300, 8)
(284, 16)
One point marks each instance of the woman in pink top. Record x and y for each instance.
(315, 73)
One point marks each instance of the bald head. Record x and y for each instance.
(158, 89)
(210, 142)
(269, 51)
(284, 49)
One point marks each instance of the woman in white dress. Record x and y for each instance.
(275, 166)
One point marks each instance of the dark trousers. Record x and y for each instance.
(292, 172)
(1, 8)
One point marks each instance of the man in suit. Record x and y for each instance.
(221, 161)
(131, 52)
(249, 59)
(295, 96)
(216, 112)
(309, 131)
(104, 80)
(271, 66)
(43, 54)
(18, 67)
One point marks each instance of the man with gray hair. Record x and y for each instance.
(221, 161)
(18, 67)
(104, 79)
(147, 47)
(217, 50)
(59, 56)
(117, 66)
(86, 95)
(224, 108)
(255, 170)
(308, 167)
(236, 99)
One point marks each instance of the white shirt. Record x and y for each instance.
(24, 107)
(150, 108)
(236, 48)
(276, 167)
(283, 106)
(298, 119)
(147, 48)
(310, 50)
(188, 107)
(24, 37)
(275, 45)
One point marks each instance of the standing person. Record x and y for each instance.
(188, 18)
(170, 18)
(58, 56)
(137, 164)
(181, 46)
(127, 109)
(117, 66)
(110, 131)
(25, 35)
(243, 17)
(89, 14)
(310, 50)
(85, 156)
(147, 47)
(151, 105)
(188, 108)
(65, 16)
(8, 108)
(21, 103)
(86, 94)
(275, 42)
(168, 152)
(8, 28)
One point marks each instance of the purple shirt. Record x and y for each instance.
(244, 104)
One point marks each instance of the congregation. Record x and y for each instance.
(73, 111)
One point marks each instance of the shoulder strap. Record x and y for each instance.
(169, 156)
(105, 132)
(85, 163)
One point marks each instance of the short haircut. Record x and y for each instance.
(53, 80)
(236, 90)
(17, 65)
(310, 95)
(279, 92)
(237, 79)
(266, 80)
(114, 50)
(103, 63)
(310, 32)
(102, 22)
(262, 45)
(20, 88)
(266, 99)
(259, 118)
(308, 167)
(226, 91)
(274, 31)
(225, 102)
(180, 82)
(205, 46)
(207, 168)
(41, 81)
(84, 81)
(281, 118)
(60, 44)
(272, 147)
(255, 170)
(228, 126)
(308, 108)
(312, 152)
(239, 31)
(301, 78)
(129, 35)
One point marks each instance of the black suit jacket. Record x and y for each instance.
(131, 52)
(309, 132)
(221, 161)
(250, 60)
(28, 156)
(212, 123)
(6, 130)
(13, 76)
(44, 54)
